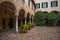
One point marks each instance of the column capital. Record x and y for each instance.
(16, 13)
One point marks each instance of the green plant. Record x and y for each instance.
(26, 27)
(51, 17)
(40, 18)
(23, 28)
(21, 25)
(29, 25)
(23, 31)
(58, 20)
(33, 25)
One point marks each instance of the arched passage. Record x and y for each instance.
(28, 17)
(21, 17)
(7, 15)
(31, 18)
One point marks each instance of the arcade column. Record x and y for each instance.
(25, 20)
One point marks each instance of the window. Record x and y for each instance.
(54, 3)
(38, 5)
(45, 5)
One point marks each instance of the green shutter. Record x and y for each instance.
(39, 5)
(42, 5)
(46, 4)
(51, 4)
(56, 3)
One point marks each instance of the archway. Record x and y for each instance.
(56, 12)
(7, 15)
(28, 17)
(21, 17)
(31, 18)
(45, 20)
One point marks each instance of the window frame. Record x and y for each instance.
(37, 5)
(55, 4)
(44, 4)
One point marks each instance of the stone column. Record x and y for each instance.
(16, 23)
(16, 15)
(25, 20)
(30, 19)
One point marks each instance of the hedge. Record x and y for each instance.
(51, 17)
(44, 18)
(58, 19)
(39, 18)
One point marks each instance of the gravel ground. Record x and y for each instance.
(36, 33)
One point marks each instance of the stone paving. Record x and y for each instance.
(37, 33)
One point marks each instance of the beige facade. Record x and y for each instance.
(12, 9)
(49, 5)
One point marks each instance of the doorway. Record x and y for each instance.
(3, 23)
(11, 23)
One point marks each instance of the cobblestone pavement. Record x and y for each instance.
(37, 33)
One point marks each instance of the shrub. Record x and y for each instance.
(23, 28)
(26, 27)
(33, 25)
(58, 20)
(51, 17)
(23, 31)
(29, 25)
(21, 25)
(39, 18)
(45, 18)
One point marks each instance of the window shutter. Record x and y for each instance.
(42, 5)
(46, 4)
(51, 4)
(39, 5)
(56, 3)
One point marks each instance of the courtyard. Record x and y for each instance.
(36, 33)
(26, 16)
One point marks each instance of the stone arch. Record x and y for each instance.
(28, 14)
(7, 15)
(46, 20)
(32, 18)
(22, 12)
(9, 5)
(45, 12)
(56, 12)
(21, 17)
(9, 1)
(28, 17)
